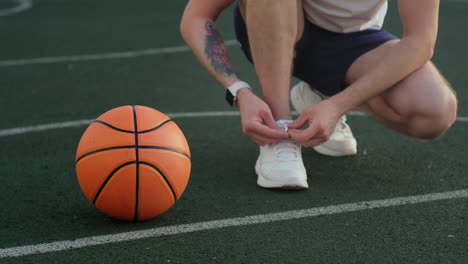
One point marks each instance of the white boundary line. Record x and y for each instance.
(21, 6)
(231, 222)
(102, 56)
(84, 122)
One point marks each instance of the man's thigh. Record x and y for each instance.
(422, 105)
(321, 57)
(422, 92)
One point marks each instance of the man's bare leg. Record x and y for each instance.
(274, 27)
(422, 105)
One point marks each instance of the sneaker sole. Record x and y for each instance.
(295, 184)
(264, 183)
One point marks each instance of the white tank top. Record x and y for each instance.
(345, 16)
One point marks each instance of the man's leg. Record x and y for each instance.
(422, 105)
(273, 28)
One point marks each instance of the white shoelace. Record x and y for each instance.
(286, 150)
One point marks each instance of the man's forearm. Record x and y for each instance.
(401, 60)
(208, 46)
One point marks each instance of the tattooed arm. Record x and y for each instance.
(199, 31)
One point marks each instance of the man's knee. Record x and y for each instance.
(426, 103)
(435, 123)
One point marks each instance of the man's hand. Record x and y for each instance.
(257, 119)
(321, 117)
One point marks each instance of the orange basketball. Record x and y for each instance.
(133, 163)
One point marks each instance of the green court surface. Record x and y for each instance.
(398, 201)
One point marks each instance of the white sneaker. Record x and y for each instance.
(342, 141)
(280, 165)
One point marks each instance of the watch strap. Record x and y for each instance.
(231, 91)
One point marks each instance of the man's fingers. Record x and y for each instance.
(302, 135)
(261, 140)
(268, 119)
(310, 137)
(299, 122)
(314, 142)
(265, 131)
(258, 140)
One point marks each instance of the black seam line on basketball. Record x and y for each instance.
(156, 127)
(113, 127)
(108, 179)
(137, 159)
(166, 148)
(164, 177)
(101, 150)
(131, 146)
(132, 132)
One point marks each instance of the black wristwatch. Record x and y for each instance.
(231, 92)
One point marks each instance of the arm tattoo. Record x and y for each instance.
(216, 51)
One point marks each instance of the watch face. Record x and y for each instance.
(229, 97)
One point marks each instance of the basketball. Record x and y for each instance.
(133, 163)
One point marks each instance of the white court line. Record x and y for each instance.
(22, 5)
(231, 222)
(102, 56)
(84, 122)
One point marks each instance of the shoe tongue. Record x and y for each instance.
(283, 124)
(286, 150)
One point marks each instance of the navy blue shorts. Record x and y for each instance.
(322, 57)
